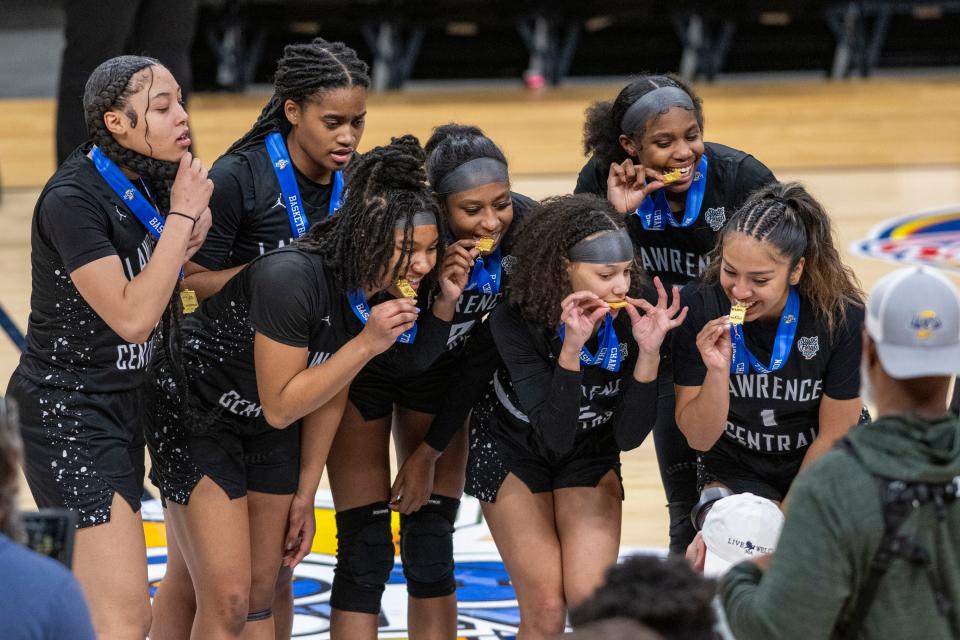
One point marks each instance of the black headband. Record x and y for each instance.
(651, 104)
(420, 218)
(607, 248)
(472, 174)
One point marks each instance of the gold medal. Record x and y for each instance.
(672, 176)
(188, 299)
(619, 304)
(485, 244)
(406, 289)
(738, 313)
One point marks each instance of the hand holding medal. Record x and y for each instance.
(713, 343)
(454, 274)
(581, 311)
(628, 185)
(650, 329)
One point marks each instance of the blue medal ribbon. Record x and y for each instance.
(782, 344)
(145, 212)
(655, 214)
(608, 354)
(283, 167)
(360, 308)
(486, 273)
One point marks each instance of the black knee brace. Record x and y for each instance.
(364, 558)
(426, 547)
(682, 530)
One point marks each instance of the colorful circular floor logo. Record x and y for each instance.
(930, 238)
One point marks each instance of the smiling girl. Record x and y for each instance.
(576, 385)
(649, 159)
(111, 231)
(763, 398)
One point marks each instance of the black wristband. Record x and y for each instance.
(183, 215)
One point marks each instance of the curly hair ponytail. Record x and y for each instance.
(601, 130)
(383, 188)
(539, 281)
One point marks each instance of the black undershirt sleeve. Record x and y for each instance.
(473, 374)
(549, 394)
(636, 412)
(416, 357)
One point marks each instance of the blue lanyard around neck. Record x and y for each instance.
(655, 214)
(608, 354)
(486, 274)
(361, 309)
(145, 212)
(283, 167)
(782, 344)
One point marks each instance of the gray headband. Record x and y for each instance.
(472, 174)
(653, 104)
(420, 218)
(607, 248)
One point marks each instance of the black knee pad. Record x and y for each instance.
(426, 547)
(364, 558)
(707, 498)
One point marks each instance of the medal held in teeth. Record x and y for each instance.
(485, 244)
(738, 313)
(188, 300)
(672, 176)
(406, 289)
(619, 304)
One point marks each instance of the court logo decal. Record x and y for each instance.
(931, 238)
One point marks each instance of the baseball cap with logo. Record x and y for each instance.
(737, 528)
(913, 317)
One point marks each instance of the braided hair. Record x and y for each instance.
(539, 281)
(383, 187)
(109, 87)
(791, 220)
(601, 131)
(305, 70)
(453, 144)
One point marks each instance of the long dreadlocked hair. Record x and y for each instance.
(384, 187)
(601, 131)
(109, 87)
(797, 226)
(305, 70)
(539, 282)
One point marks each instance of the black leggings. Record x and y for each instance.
(98, 31)
(677, 461)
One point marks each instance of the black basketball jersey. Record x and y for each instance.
(79, 219)
(774, 413)
(249, 216)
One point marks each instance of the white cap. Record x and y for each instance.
(739, 527)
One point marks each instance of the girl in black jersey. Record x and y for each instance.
(577, 385)
(308, 131)
(110, 232)
(762, 399)
(280, 342)
(469, 174)
(652, 130)
(316, 117)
